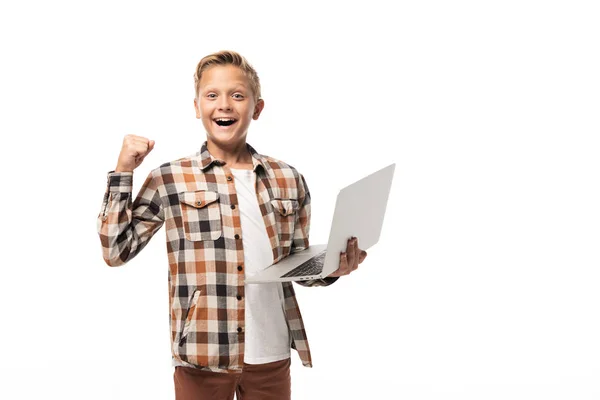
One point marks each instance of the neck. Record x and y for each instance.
(234, 154)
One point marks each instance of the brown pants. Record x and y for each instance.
(270, 381)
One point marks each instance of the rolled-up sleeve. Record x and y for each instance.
(125, 227)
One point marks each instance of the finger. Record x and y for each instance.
(344, 264)
(131, 143)
(130, 139)
(140, 150)
(140, 139)
(147, 147)
(353, 259)
(140, 155)
(143, 142)
(136, 137)
(338, 272)
(356, 254)
(343, 268)
(363, 255)
(350, 254)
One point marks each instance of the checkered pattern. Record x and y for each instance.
(201, 215)
(195, 198)
(285, 218)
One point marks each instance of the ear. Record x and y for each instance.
(260, 104)
(197, 108)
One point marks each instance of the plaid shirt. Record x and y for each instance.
(195, 198)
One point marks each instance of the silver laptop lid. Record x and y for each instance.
(359, 211)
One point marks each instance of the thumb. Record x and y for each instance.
(362, 256)
(150, 145)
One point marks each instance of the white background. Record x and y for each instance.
(485, 284)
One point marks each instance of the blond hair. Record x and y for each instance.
(228, 57)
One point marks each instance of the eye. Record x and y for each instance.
(211, 95)
(238, 96)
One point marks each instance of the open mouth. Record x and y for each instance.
(225, 121)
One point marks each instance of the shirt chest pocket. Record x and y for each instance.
(285, 217)
(201, 215)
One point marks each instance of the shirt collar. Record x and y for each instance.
(206, 159)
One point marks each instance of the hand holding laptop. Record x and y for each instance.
(350, 259)
(319, 261)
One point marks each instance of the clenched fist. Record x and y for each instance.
(134, 150)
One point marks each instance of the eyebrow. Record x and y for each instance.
(237, 86)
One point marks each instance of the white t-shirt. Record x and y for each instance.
(267, 337)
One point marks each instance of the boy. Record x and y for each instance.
(228, 211)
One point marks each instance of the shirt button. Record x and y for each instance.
(239, 329)
(199, 203)
(233, 206)
(237, 236)
(239, 297)
(239, 267)
(229, 178)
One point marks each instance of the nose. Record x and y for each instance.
(224, 103)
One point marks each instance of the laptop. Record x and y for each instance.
(359, 211)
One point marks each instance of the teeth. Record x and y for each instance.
(225, 121)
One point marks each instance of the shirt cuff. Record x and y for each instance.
(330, 279)
(120, 182)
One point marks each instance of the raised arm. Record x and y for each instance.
(124, 225)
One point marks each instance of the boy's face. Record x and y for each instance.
(226, 104)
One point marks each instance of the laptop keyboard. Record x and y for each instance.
(314, 266)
